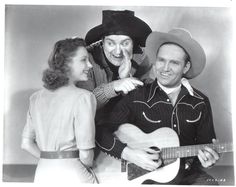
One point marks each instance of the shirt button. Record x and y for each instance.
(167, 100)
(175, 125)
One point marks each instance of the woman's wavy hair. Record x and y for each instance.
(57, 75)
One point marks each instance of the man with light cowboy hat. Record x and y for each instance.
(115, 48)
(183, 39)
(167, 103)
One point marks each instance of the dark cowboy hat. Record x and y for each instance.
(182, 38)
(119, 22)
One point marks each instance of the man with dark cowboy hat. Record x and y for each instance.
(166, 103)
(116, 54)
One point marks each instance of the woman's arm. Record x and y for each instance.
(28, 135)
(85, 127)
(30, 145)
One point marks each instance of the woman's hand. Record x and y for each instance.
(31, 146)
(86, 156)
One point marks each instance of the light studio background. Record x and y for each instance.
(31, 31)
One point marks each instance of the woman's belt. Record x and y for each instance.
(59, 154)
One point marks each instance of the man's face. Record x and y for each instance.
(115, 46)
(170, 65)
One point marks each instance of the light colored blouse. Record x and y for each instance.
(61, 120)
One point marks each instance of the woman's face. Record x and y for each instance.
(80, 65)
(115, 46)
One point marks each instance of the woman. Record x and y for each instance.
(60, 121)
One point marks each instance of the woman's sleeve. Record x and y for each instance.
(84, 121)
(29, 131)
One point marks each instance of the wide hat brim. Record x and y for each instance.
(131, 26)
(191, 46)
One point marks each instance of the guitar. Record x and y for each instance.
(108, 169)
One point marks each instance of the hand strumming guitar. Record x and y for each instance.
(148, 159)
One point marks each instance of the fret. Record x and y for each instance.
(174, 152)
(177, 154)
(163, 154)
(167, 153)
(192, 150)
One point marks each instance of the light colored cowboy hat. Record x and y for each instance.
(180, 37)
(120, 22)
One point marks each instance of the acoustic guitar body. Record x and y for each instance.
(108, 169)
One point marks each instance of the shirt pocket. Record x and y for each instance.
(150, 119)
(194, 119)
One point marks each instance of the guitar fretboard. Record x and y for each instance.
(192, 150)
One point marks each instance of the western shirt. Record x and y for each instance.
(149, 108)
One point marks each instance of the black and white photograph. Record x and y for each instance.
(125, 93)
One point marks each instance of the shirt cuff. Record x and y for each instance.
(109, 90)
(114, 151)
(104, 92)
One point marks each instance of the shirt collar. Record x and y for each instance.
(169, 90)
(185, 84)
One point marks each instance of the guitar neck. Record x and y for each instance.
(192, 150)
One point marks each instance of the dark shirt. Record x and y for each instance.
(149, 108)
